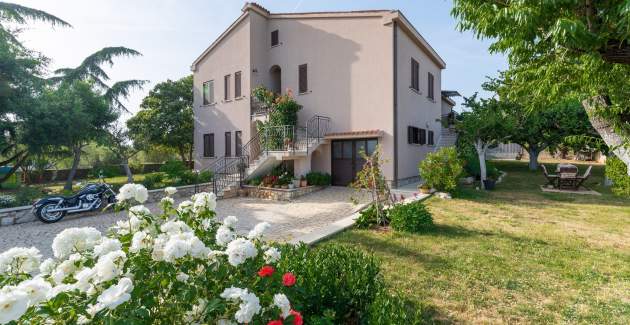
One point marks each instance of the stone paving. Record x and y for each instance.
(288, 219)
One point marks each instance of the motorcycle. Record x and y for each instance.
(91, 197)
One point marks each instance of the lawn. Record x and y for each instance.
(514, 255)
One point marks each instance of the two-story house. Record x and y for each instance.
(362, 77)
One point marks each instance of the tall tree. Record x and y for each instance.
(20, 78)
(90, 71)
(70, 117)
(486, 124)
(120, 144)
(559, 49)
(166, 118)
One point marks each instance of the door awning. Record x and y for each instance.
(354, 134)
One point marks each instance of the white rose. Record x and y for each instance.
(230, 221)
(116, 295)
(170, 190)
(141, 195)
(182, 277)
(107, 245)
(258, 230)
(141, 240)
(20, 260)
(36, 289)
(72, 240)
(13, 305)
(240, 250)
(272, 255)
(281, 301)
(224, 236)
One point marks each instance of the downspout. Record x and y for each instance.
(395, 52)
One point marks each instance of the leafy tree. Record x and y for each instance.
(486, 124)
(560, 49)
(166, 118)
(536, 131)
(91, 73)
(120, 144)
(69, 117)
(20, 79)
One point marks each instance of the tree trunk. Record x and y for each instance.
(533, 158)
(125, 164)
(605, 128)
(182, 154)
(481, 154)
(17, 164)
(76, 151)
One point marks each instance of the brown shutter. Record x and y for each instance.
(423, 136)
(415, 71)
(431, 86)
(208, 145)
(275, 39)
(237, 84)
(226, 87)
(410, 134)
(303, 78)
(238, 143)
(228, 144)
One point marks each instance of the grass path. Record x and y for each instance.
(514, 255)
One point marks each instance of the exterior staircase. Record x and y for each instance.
(265, 150)
(448, 138)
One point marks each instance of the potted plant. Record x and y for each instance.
(303, 182)
(491, 180)
(424, 189)
(295, 182)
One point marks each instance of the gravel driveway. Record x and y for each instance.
(288, 219)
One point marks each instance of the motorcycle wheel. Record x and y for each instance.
(46, 216)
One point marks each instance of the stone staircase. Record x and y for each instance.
(448, 138)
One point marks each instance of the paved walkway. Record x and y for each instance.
(288, 219)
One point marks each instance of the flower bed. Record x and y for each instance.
(184, 266)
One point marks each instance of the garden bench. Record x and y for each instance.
(551, 178)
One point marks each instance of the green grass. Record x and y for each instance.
(514, 255)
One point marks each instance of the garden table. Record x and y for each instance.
(567, 168)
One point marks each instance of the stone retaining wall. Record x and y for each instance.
(12, 216)
(277, 194)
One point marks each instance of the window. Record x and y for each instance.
(430, 87)
(415, 75)
(238, 143)
(208, 145)
(237, 84)
(228, 144)
(226, 84)
(303, 78)
(416, 135)
(431, 140)
(275, 38)
(208, 92)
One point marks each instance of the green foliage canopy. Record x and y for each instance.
(166, 118)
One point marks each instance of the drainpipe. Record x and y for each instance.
(395, 52)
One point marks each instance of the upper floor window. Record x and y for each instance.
(237, 84)
(431, 87)
(275, 38)
(208, 92)
(226, 87)
(303, 78)
(415, 75)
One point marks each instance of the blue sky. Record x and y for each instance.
(172, 33)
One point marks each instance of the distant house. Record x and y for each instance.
(363, 78)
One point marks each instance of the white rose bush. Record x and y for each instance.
(179, 266)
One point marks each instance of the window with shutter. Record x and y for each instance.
(423, 136)
(410, 138)
(415, 74)
(226, 86)
(237, 84)
(228, 144)
(275, 38)
(431, 139)
(208, 145)
(303, 78)
(208, 92)
(430, 86)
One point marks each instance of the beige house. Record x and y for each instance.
(362, 77)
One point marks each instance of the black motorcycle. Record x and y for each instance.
(91, 197)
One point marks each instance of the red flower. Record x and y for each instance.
(288, 279)
(275, 322)
(297, 317)
(266, 271)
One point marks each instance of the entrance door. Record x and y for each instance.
(346, 160)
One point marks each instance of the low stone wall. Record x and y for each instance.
(277, 194)
(13, 216)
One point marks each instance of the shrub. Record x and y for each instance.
(180, 266)
(153, 180)
(441, 169)
(107, 171)
(174, 168)
(410, 217)
(337, 280)
(368, 218)
(617, 172)
(255, 181)
(7, 201)
(318, 179)
(205, 176)
(25, 195)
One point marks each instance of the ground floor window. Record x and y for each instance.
(346, 160)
